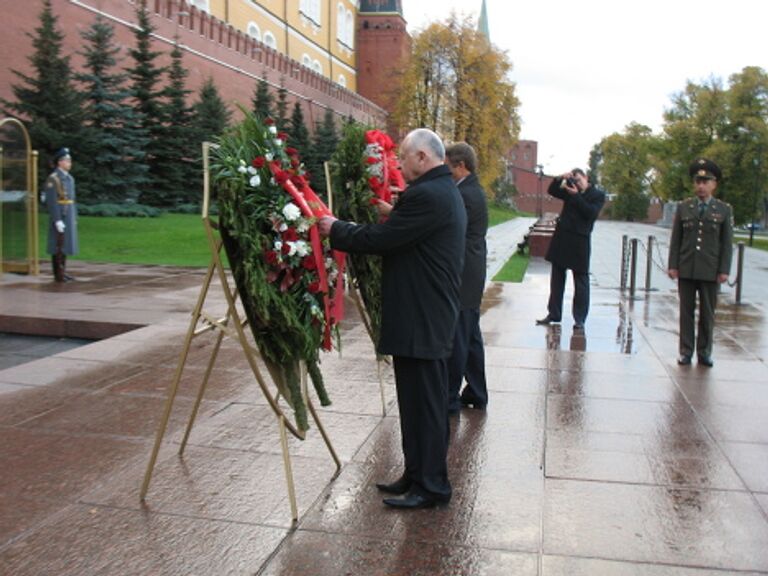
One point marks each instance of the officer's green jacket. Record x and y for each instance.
(701, 247)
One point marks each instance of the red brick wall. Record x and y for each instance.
(211, 48)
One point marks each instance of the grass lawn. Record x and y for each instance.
(757, 242)
(170, 239)
(497, 214)
(514, 269)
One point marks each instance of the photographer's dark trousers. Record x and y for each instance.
(580, 294)
(707, 291)
(422, 397)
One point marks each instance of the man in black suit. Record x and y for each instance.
(467, 360)
(422, 244)
(570, 247)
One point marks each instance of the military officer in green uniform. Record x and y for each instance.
(59, 197)
(700, 253)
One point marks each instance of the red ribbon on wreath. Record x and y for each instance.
(312, 206)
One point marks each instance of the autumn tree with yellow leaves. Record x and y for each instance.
(457, 84)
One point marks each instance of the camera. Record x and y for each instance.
(570, 182)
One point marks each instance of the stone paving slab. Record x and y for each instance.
(597, 454)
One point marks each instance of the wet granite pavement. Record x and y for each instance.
(597, 454)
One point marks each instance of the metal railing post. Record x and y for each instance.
(739, 271)
(624, 245)
(633, 270)
(649, 263)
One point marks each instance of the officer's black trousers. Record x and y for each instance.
(422, 397)
(467, 361)
(707, 292)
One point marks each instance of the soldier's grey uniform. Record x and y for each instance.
(59, 194)
(700, 249)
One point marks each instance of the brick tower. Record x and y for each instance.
(383, 48)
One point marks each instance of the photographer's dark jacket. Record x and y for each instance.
(571, 244)
(422, 243)
(701, 247)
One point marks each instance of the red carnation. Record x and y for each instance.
(374, 182)
(259, 162)
(281, 176)
(372, 160)
(295, 162)
(285, 249)
(269, 122)
(314, 287)
(291, 151)
(290, 235)
(309, 263)
(271, 257)
(283, 136)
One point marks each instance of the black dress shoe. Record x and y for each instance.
(578, 326)
(706, 361)
(683, 360)
(68, 278)
(398, 487)
(546, 320)
(411, 501)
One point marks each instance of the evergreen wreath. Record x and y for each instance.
(366, 170)
(288, 279)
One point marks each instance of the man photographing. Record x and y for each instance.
(570, 247)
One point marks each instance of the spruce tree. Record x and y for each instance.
(145, 77)
(174, 164)
(210, 115)
(47, 100)
(324, 145)
(112, 154)
(281, 109)
(298, 135)
(263, 100)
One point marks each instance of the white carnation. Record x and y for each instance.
(302, 248)
(255, 180)
(291, 212)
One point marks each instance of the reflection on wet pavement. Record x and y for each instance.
(597, 453)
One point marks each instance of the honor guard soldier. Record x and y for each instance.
(700, 252)
(59, 194)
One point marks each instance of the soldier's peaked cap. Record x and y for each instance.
(703, 168)
(61, 153)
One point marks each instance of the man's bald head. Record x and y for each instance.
(420, 151)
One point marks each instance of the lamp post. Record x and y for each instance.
(540, 173)
(755, 195)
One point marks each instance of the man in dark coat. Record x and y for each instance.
(59, 197)
(700, 252)
(422, 244)
(570, 247)
(468, 357)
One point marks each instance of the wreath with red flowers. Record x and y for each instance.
(366, 170)
(288, 279)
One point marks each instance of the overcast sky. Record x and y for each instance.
(584, 69)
